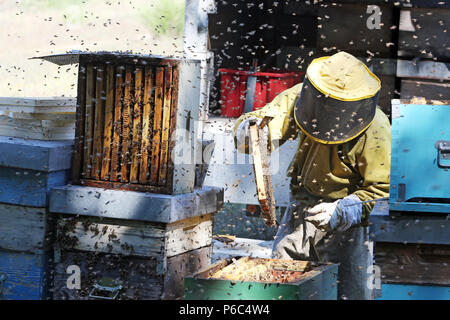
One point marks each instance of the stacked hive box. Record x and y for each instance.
(135, 134)
(38, 118)
(263, 279)
(143, 243)
(28, 169)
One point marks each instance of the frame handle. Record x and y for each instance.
(105, 289)
(443, 148)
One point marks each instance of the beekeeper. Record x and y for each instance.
(342, 160)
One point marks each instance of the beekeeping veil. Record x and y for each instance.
(338, 99)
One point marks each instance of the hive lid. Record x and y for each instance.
(62, 59)
(73, 57)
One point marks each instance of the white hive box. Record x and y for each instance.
(38, 118)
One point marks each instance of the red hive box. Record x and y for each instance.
(233, 86)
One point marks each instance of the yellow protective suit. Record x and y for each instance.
(360, 166)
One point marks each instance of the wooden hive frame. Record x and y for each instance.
(129, 111)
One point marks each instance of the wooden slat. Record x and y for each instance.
(128, 238)
(126, 125)
(23, 228)
(413, 263)
(147, 111)
(97, 145)
(165, 125)
(259, 176)
(89, 121)
(173, 119)
(127, 186)
(156, 140)
(426, 89)
(109, 110)
(423, 70)
(77, 161)
(263, 179)
(138, 277)
(178, 267)
(135, 146)
(190, 237)
(118, 101)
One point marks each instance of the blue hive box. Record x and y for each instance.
(23, 276)
(420, 161)
(30, 168)
(26, 236)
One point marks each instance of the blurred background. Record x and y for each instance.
(41, 27)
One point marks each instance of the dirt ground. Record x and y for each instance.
(30, 28)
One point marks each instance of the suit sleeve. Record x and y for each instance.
(373, 163)
(282, 127)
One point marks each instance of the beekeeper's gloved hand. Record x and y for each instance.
(339, 215)
(243, 132)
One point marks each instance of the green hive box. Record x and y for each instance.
(319, 283)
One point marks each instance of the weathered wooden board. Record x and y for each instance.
(129, 205)
(423, 70)
(118, 102)
(134, 238)
(41, 116)
(428, 90)
(188, 234)
(59, 102)
(137, 276)
(146, 125)
(413, 263)
(137, 126)
(424, 34)
(99, 117)
(408, 227)
(24, 229)
(111, 236)
(173, 119)
(37, 129)
(109, 119)
(46, 107)
(89, 124)
(79, 125)
(126, 126)
(166, 127)
(26, 275)
(182, 265)
(157, 125)
(28, 187)
(46, 156)
(263, 178)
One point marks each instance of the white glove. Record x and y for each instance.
(243, 132)
(323, 216)
(339, 215)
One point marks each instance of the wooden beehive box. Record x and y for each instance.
(136, 122)
(25, 237)
(30, 168)
(38, 118)
(263, 279)
(147, 260)
(144, 242)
